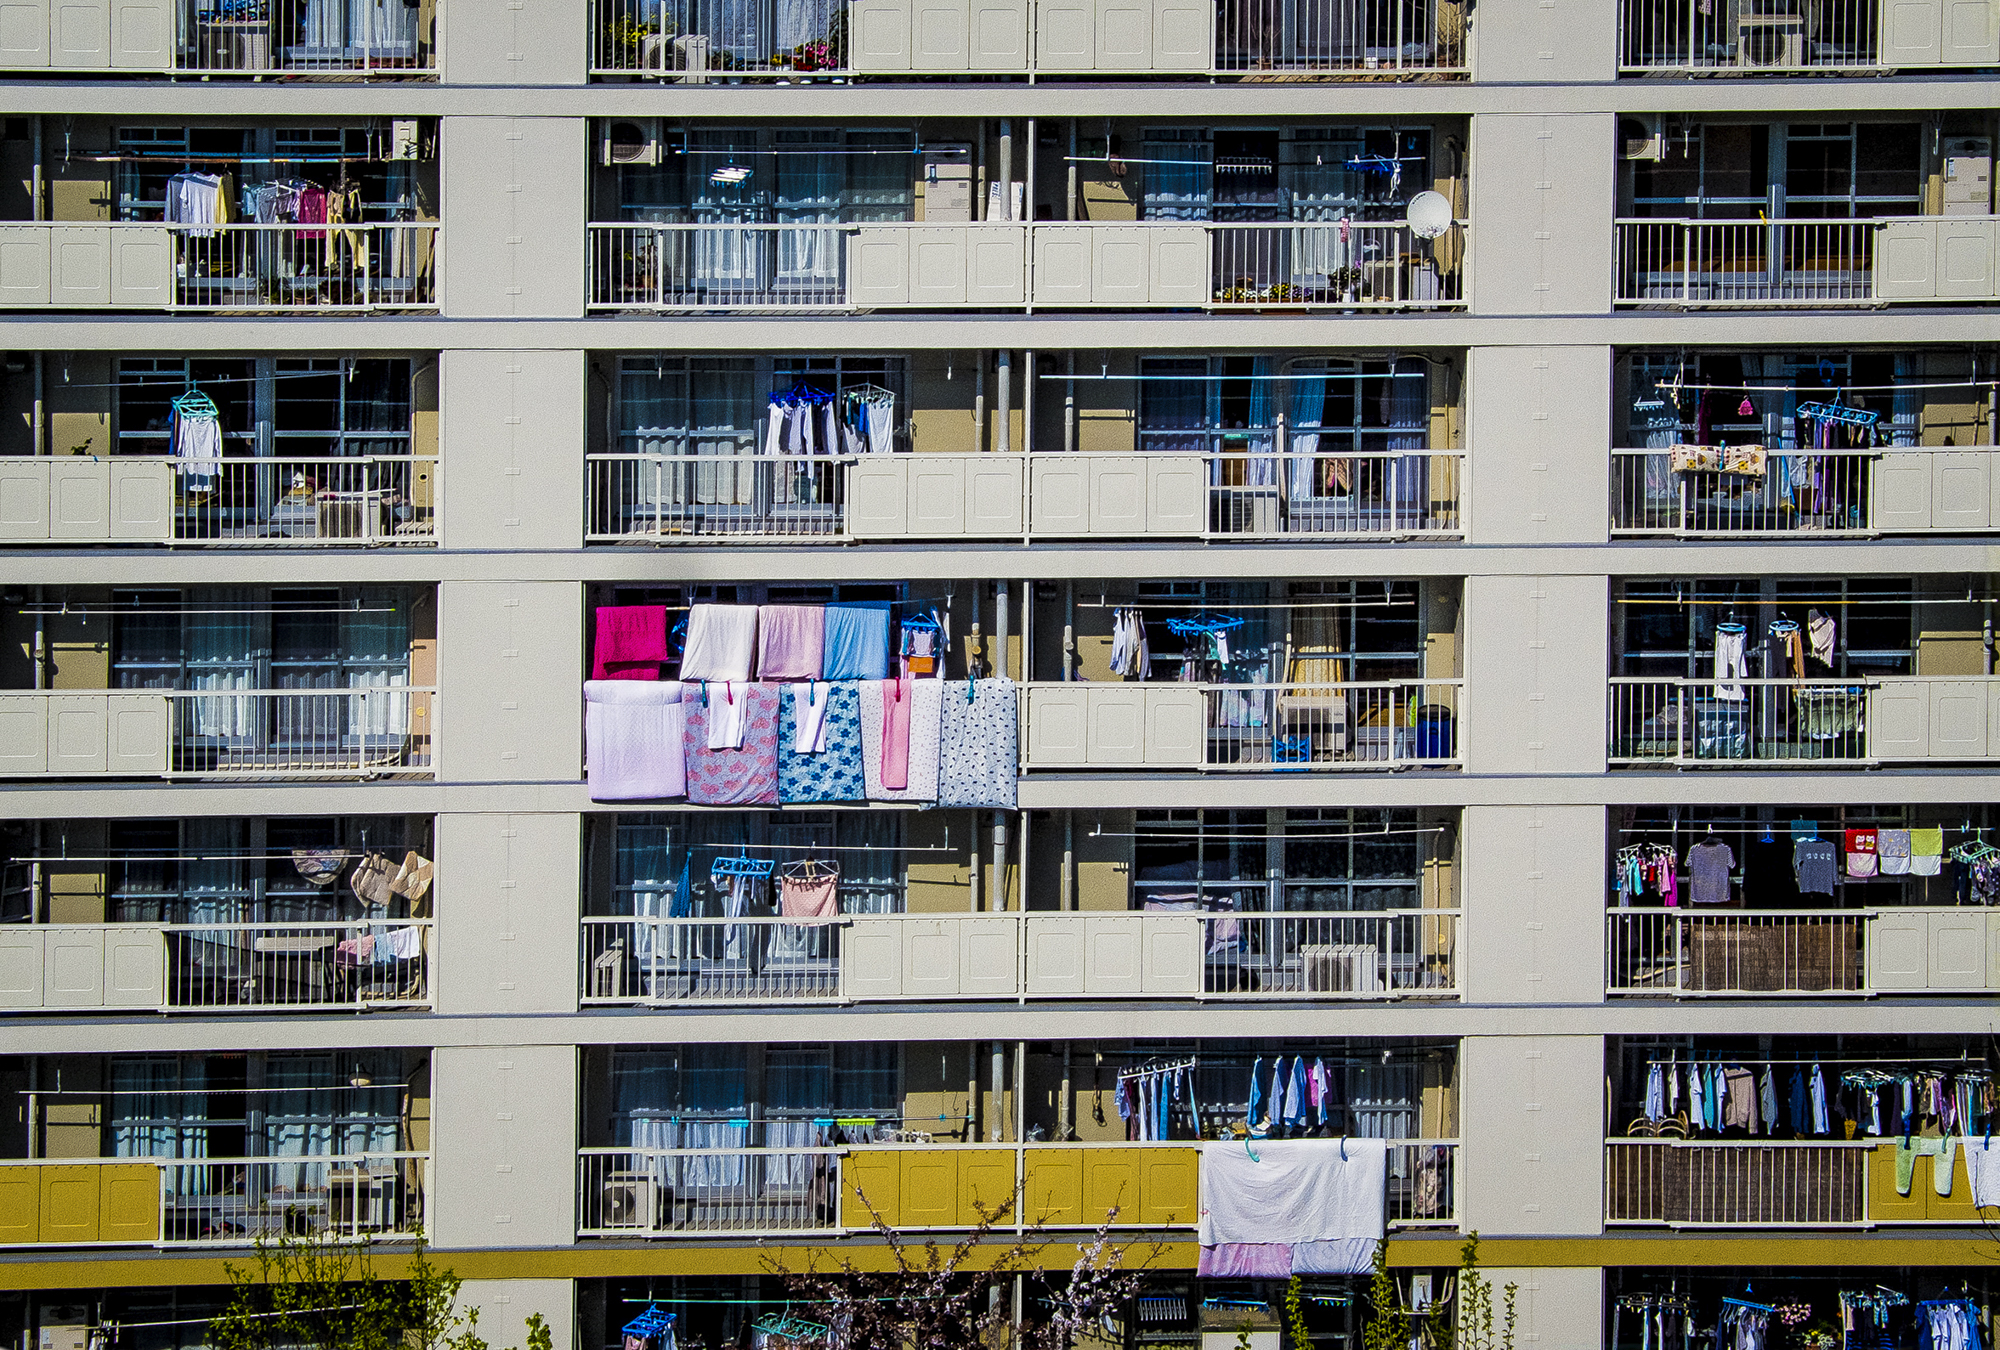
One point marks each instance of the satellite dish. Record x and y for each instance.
(1429, 215)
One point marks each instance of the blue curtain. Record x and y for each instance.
(1303, 423)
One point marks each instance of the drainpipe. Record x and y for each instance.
(1063, 1107)
(1986, 636)
(39, 429)
(997, 1123)
(1006, 168)
(36, 211)
(1003, 402)
(1069, 199)
(979, 405)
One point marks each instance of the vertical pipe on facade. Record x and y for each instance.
(35, 211)
(996, 1125)
(979, 405)
(1006, 174)
(1065, 1111)
(1069, 407)
(1986, 636)
(1069, 194)
(1003, 401)
(39, 430)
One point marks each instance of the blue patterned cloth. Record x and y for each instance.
(833, 775)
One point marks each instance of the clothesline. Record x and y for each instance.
(349, 367)
(1777, 832)
(285, 856)
(1878, 1062)
(164, 611)
(734, 850)
(1225, 834)
(212, 1090)
(1199, 602)
(1668, 385)
(1758, 602)
(1251, 379)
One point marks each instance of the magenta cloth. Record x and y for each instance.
(790, 639)
(1246, 1261)
(311, 210)
(631, 643)
(896, 733)
(743, 777)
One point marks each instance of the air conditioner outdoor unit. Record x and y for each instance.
(1643, 136)
(629, 1200)
(1341, 967)
(1771, 36)
(627, 140)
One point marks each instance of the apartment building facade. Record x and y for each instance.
(1544, 444)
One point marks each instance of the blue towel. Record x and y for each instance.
(857, 641)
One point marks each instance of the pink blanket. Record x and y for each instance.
(631, 642)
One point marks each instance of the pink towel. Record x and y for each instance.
(817, 899)
(896, 733)
(631, 642)
(790, 639)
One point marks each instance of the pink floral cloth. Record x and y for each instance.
(747, 776)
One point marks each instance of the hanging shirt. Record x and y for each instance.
(1710, 864)
(197, 450)
(1813, 866)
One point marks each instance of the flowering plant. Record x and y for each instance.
(1793, 1314)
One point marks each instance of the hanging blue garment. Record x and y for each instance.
(1295, 1096)
(1256, 1097)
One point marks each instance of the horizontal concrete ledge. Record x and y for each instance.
(1155, 1251)
(1146, 96)
(1011, 1020)
(1911, 325)
(1914, 785)
(1087, 561)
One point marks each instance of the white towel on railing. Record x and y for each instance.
(635, 734)
(721, 642)
(1325, 1197)
(1982, 1167)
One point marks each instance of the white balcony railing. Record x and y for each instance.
(1807, 263)
(1157, 953)
(266, 966)
(1787, 37)
(788, 1190)
(1293, 490)
(212, 1202)
(1719, 952)
(1745, 721)
(1766, 1184)
(257, 38)
(1814, 495)
(1668, 953)
(304, 733)
(1296, 727)
(1936, 718)
(711, 41)
(217, 967)
(300, 37)
(263, 502)
(1282, 266)
(250, 268)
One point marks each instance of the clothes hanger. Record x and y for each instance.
(742, 865)
(812, 869)
(194, 403)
